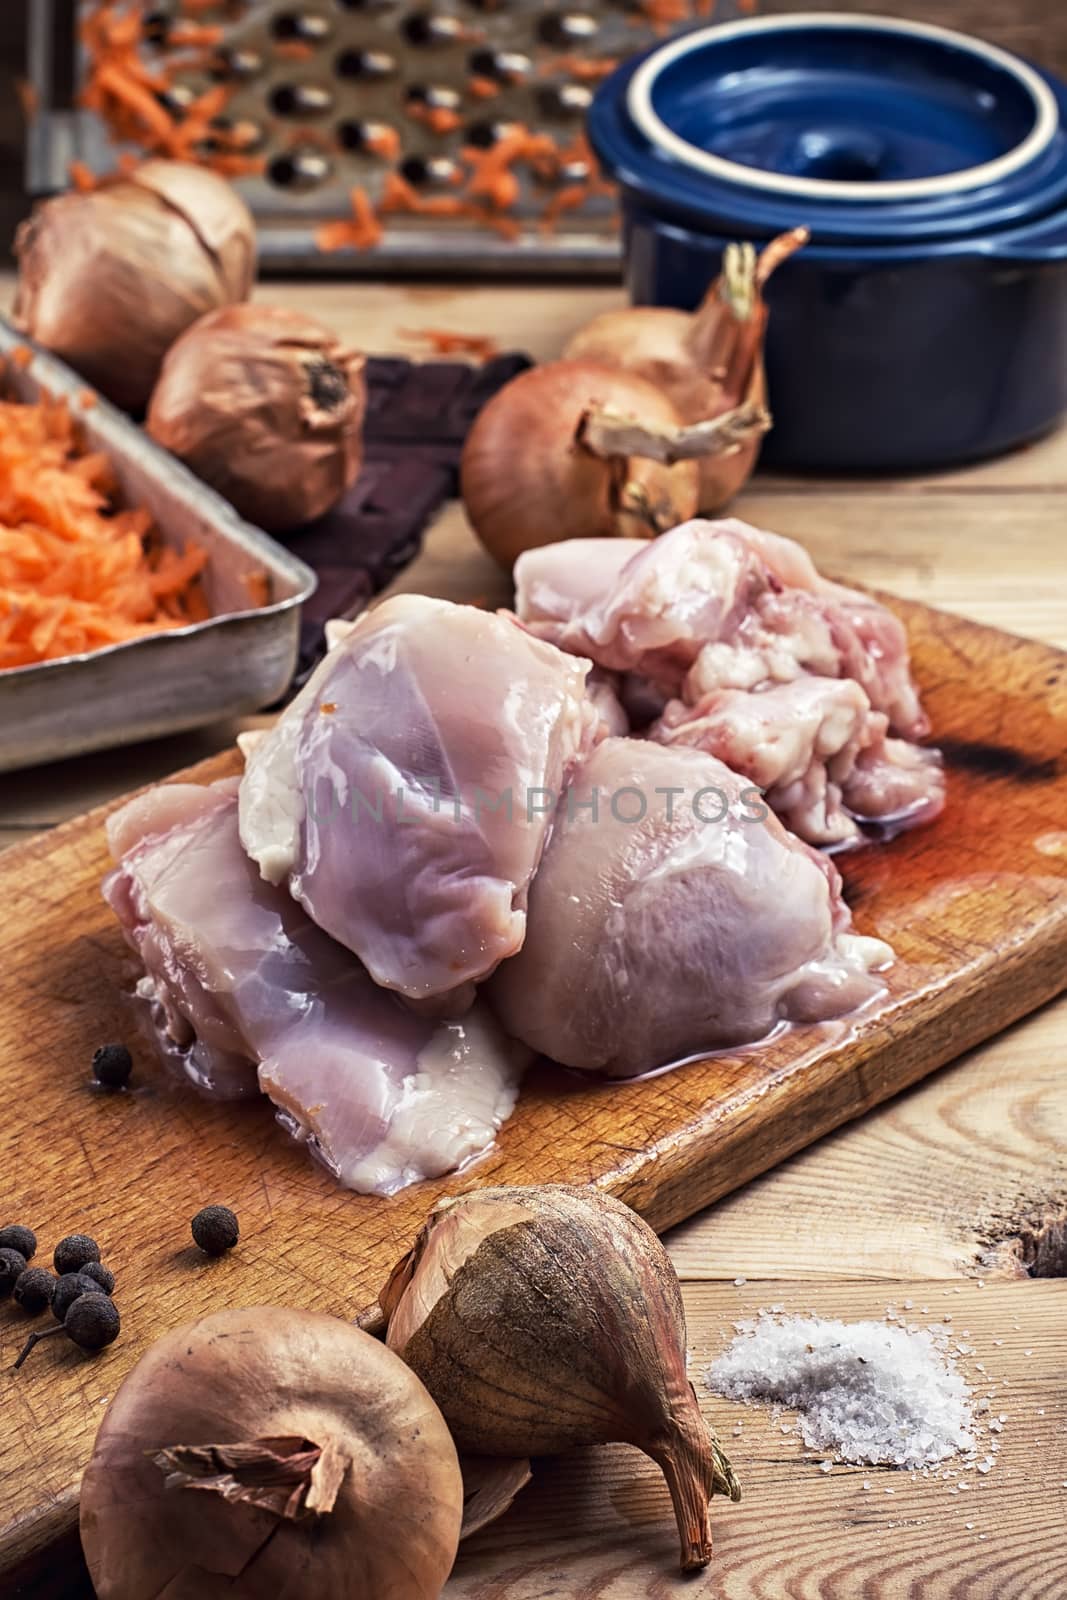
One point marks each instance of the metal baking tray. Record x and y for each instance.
(238, 661)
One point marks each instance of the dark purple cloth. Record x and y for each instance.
(418, 416)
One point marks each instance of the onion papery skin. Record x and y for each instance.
(236, 401)
(259, 1373)
(108, 280)
(526, 480)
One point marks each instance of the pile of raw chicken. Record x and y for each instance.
(587, 831)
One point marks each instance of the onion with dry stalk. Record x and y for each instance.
(109, 279)
(708, 362)
(542, 1318)
(577, 449)
(271, 1452)
(266, 405)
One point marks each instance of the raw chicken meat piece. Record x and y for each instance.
(556, 582)
(839, 634)
(650, 613)
(247, 989)
(653, 939)
(713, 605)
(406, 793)
(602, 688)
(818, 752)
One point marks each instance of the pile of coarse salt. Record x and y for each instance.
(871, 1392)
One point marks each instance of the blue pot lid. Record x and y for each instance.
(864, 128)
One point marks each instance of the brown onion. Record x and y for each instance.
(576, 449)
(542, 1318)
(267, 406)
(109, 279)
(271, 1452)
(707, 362)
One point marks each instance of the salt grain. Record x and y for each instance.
(871, 1393)
(740, 1282)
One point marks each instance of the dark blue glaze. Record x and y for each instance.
(883, 362)
(740, 211)
(908, 334)
(845, 84)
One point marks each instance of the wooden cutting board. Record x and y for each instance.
(975, 906)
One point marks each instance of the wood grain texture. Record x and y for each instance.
(1034, 28)
(920, 1189)
(974, 905)
(596, 1525)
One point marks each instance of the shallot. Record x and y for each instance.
(271, 1452)
(109, 279)
(542, 1318)
(708, 362)
(575, 449)
(266, 405)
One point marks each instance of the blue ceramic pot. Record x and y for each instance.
(926, 322)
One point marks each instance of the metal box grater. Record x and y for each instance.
(313, 76)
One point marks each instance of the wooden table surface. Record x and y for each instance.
(915, 1206)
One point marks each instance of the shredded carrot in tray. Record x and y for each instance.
(77, 574)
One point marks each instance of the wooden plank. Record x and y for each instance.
(1034, 28)
(974, 906)
(918, 1189)
(597, 1524)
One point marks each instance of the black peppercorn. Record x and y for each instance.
(12, 1265)
(16, 1237)
(71, 1287)
(34, 1289)
(100, 1275)
(112, 1065)
(74, 1251)
(215, 1230)
(93, 1321)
